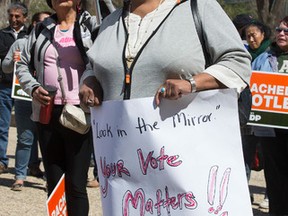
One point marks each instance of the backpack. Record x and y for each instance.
(245, 98)
(40, 27)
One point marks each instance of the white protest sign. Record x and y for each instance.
(17, 91)
(182, 158)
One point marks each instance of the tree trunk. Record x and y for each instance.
(27, 3)
(89, 5)
(271, 12)
(3, 14)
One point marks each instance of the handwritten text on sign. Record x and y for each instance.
(182, 158)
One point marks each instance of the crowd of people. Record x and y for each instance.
(59, 49)
(74, 162)
(269, 53)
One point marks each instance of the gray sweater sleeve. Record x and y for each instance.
(232, 62)
(8, 63)
(23, 69)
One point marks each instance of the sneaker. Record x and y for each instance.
(35, 171)
(93, 183)
(264, 204)
(3, 168)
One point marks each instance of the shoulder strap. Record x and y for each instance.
(38, 28)
(198, 25)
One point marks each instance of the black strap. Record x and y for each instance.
(198, 25)
(245, 99)
(128, 71)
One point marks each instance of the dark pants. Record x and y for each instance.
(66, 151)
(275, 151)
(95, 171)
(249, 144)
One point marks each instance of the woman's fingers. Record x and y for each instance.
(42, 96)
(172, 89)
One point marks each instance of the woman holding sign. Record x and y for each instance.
(275, 148)
(151, 48)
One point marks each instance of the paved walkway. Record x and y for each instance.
(31, 201)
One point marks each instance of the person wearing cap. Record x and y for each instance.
(240, 22)
(275, 143)
(257, 35)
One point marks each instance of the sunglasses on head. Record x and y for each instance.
(278, 29)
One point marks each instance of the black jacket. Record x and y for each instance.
(7, 38)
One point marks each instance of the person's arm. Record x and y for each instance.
(90, 92)
(231, 61)
(174, 88)
(12, 56)
(8, 63)
(24, 71)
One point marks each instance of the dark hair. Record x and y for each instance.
(262, 27)
(18, 5)
(285, 20)
(240, 21)
(36, 18)
(49, 3)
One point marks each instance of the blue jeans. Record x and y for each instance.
(6, 104)
(26, 137)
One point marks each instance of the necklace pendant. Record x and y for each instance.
(129, 61)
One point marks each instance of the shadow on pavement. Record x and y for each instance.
(257, 189)
(7, 182)
(11, 157)
(257, 212)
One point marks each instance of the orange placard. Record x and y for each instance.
(269, 91)
(17, 92)
(56, 203)
(17, 81)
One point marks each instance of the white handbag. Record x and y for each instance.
(72, 117)
(75, 118)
